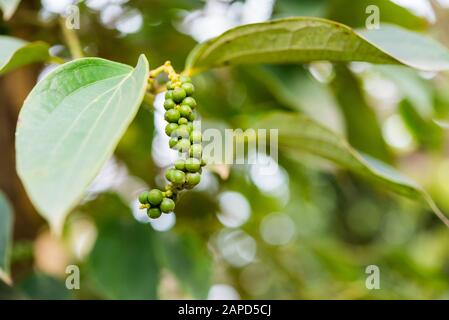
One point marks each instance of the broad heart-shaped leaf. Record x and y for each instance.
(6, 219)
(298, 133)
(70, 125)
(15, 53)
(306, 39)
(8, 7)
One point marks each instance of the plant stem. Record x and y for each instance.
(167, 68)
(72, 41)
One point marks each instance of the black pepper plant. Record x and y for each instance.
(75, 116)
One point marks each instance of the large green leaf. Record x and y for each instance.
(305, 39)
(298, 133)
(6, 219)
(123, 262)
(15, 53)
(8, 7)
(70, 125)
(186, 256)
(409, 48)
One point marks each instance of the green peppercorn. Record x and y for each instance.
(169, 104)
(180, 164)
(195, 136)
(169, 94)
(167, 205)
(154, 213)
(188, 88)
(192, 179)
(169, 85)
(173, 142)
(195, 151)
(191, 117)
(179, 94)
(155, 197)
(169, 128)
(203, 162)
(172, 115)
(169, 174)
(185, 110)
(182, 131)
(183, 145)
(185, 79)
(143, 197)
(183, 121)
(178, 177)
(190, 126)
(191, 102)
(192, 164)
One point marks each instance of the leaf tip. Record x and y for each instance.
(143, 60)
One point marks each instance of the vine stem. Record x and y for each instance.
(71, 39)
(153, 88)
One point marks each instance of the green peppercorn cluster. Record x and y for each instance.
(186, 172)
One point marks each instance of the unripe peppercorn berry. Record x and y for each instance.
(192, 165)
(185, 79)
(191, 102)
(191, 117)
(169, 174)
(169, 94)
(183, 121)
(169, 128)
(172, 115)
(185, 110)
(173, 142)
(188, 88)
(169, 85)
(195, 151)
(183, 145)
(143, 197)
(182, 131)
(169, 104)
(180, 164)
(167, 205)
(179, 94)
(193, 179)
(178, 177)
(155, 197)
(203, 162)
(154, 213)
(195, 136)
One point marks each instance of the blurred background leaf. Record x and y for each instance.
(6, 218)
(123, 263)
